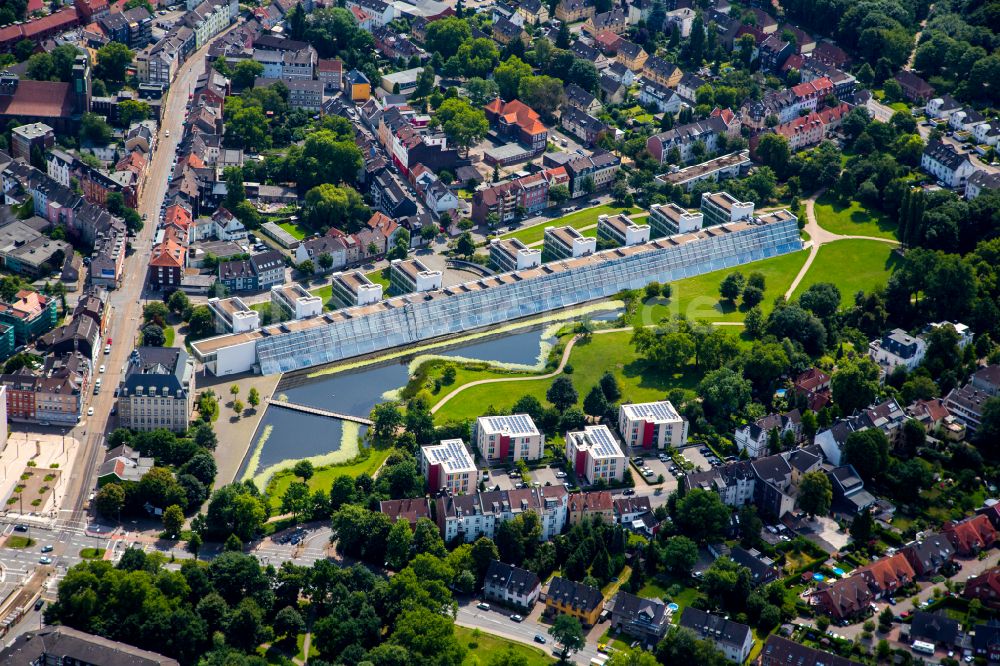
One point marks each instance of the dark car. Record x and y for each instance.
(39, 604)
(628, 491)
(540, 639)
(20, 528)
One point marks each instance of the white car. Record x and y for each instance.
(90, 411)
(166, 133)
(101, 369)
(560, 475)
(107, 349)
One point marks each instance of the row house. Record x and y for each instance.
(582, 100)
(985, 587)
(381, 12)
(478, 514)
(589, 506)
(533, 12)
(979, 182)
(409, 509)
(529, 193)
(844, 84)
(661, 98)
(397, 46)
(779, 651)
(753, 437)
(571, 11)
(886, 576)
(843, 599)
(928, 554)
(210, 18)
(615, 21)
(579, 600)
(809, 93)
(511, 586)
(631, 55)
(258, 273)
(600, 168)
(703, 132)
(887, 416)
(54, 394)
(811, 129)
(971, 536)
(946, 164)
(590, 53)
(660, 71)
(582, 125)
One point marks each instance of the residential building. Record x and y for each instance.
(688, 87)
(380, 12)
(121, 464)
(587, 52)
(54, 394)
(25, 139)
(723, 208)
(508, 438)
(684, 137)
(232, 315)
(571, 11)
(593, 505)
(644, 619)
(167, 261)
(682, 19)
(660, 71)
(566, 243)
(987, 380)
(897, 348)
(614, 21)
(314, 248)
(518, 121)
(949, 166)
(63, 645)
(773, 52)
(358, 85)
(268, 268)
(26, 251)
(814, 386)
(582, 125)
(886, 576)
(732, 639)
(157, 390)
(849, 495)
(981, 180)
(621, 230)
(511, 586)
(735, 483)
(659, 97)
(971, 536)
(670, 219)
(331, 73)
(353, 288)
(942, 107)
(411, 510)
(567, 597)
(652, 425)
(511, 254)
(843, 599)
(295, 301)
(631, 55)
(598, 169)
(986, 641)
(935, 628)
(761, 567)
(965, 404)
(410, 275)
(471, 516)
(448, 466)
(928, 554)
(780, 651)
(30, 314)
(594, 454)
(985, 587)
(753, 437)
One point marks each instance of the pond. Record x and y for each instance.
(289, 435)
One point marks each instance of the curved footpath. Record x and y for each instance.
(819, 236)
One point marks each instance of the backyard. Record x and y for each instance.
(853, 219)
(295, 230)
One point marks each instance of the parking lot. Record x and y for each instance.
(651, 462)
(696, 458)
(542, 476)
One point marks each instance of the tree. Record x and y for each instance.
(288, 621)
(701, 515)
(153, 336)
(462, 123)
(425, 82)
(94, 129)
(200, 324)
(154, 312)
(868, 451)
(325, 261)
(113, 60)
(732, 286)
(773, 151)
(542, 93)
(427, 636)
(558, 194)
(253, 397)
(988, 434)
(863, 527)
(234, 390)
(178, 302)
(566, 630)
(465, 246)
(331, 206)
(822, 299)
(399, 544)
(584, 74)
(237, 509)
(508, 76)
(247, 128)
(173, 520)
(132, 111)
(194, 544)
(562, 393)
(295, 499)
(679, 555)
(815, 493)
(595, 404)
(855, 384)
(386, 418)
(724, 393)
(609, 386)
(110, 499)
(446, 35)
(304, 470)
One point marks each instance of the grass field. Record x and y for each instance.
(853, 219)
(326, 291)
(590, 358)
(577, 220)
(380, 277)
(482, 647)
(852, 265)
(168, 334)
(92, 553)
(295, 230)
(698, 297)
(324, 476)
(15, 541)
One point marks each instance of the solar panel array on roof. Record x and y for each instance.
(602, 443)
(515, 424)
(450, 454)
(661, 411)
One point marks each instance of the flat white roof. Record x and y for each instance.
(658, 412)
(451, 454)
(516, 425)
(599, 440)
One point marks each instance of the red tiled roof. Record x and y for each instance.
(169, 254)
(517, 113)
(330, 65)
(971, 535)
(816, 87)
(889, 573)
(39, 99)
(178, 215)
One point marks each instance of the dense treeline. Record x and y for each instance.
(958, 50)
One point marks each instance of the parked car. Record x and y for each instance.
(20, 528)
(482, 605)
(47, 549)
(516, 618)
(540, 639)
(628, 491)
(45, 559)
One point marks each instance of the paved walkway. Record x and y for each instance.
(819, 236)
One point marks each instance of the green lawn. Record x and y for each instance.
(92, 553)
(852, 265)
(698, 297)
(589, 358)
(852, 220)
(324, 476)
(577, 220)
(326, 291)
(482, 647)
(380, 277)
(15, 541)
(168, 334)
(295, 230)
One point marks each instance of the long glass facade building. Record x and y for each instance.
(497, 299)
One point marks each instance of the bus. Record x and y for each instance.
(923, 646)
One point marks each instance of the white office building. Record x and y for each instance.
(652, 425)
(448, 466)
(594, 454)
(508, 437)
